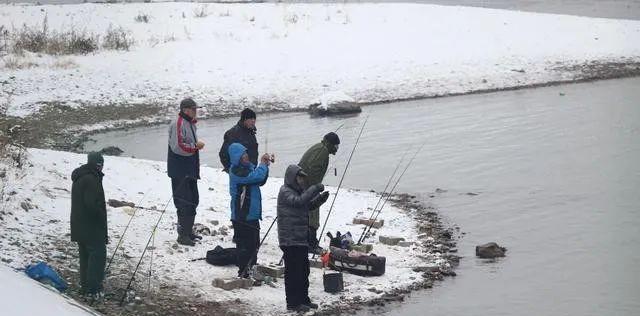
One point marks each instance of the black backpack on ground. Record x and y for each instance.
(221, 256)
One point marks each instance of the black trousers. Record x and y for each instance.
(296, 275)
(247, 240)
(186, 199)
(185, 195)
(92, 264)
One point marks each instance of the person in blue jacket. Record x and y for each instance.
(245, 180)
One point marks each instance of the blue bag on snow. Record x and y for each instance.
(42, 272)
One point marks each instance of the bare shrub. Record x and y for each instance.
(64, 64)
(291, 18)
(4, 40)
(154, 41)
(118, 39)
(5, 100)
(170, 38)
(31, 39)
(39, 39)
(73, 42)
(17, 63)
(201, 11)
(142, 18)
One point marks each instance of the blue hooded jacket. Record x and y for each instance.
(244, 186)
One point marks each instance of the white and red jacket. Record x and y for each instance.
(183, 158)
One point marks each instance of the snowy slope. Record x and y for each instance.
(279, 56)
(22, 296)
(32, 234)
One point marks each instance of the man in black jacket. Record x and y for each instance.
(244, 132)
(89, 223)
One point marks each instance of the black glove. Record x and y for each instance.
(319, 200)
(324, 196)
(320, 187)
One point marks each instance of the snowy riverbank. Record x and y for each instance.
(35, 226)
(284, 56)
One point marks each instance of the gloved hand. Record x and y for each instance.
(320, 187)
(324, 196)
(318, 200)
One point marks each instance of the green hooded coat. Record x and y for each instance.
(314, 163)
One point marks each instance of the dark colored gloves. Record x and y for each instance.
(323, 197)
(320, 199)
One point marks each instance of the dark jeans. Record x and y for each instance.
(92, 263)
(186, 200)
(296, 275)
(185, 195)
(247, 240)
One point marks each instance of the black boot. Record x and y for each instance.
(183, 235)
(185, 240)
(299, 309)
(190, 220)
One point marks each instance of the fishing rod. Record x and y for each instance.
(153, 247)
(115, 251)
(364, 229)
(346, 168)
(144, 251)
(393, 190)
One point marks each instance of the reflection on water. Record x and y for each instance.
(557, 178)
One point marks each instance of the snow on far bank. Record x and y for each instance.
(20, 295)
(31, 234)
(280, 56)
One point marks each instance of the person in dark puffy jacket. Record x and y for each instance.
(295, 201)
(89, 223)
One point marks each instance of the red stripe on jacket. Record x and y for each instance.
(183, 145)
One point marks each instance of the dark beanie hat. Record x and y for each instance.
(332, 138)
(247, 114)
(188, 103)
(95, 158)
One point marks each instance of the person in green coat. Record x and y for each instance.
(314, 163)
(89, 224)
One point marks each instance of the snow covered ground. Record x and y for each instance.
(20, 295)
(282, 56)
(36, 215)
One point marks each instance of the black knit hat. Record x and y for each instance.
(247, 114)
(188, 103)
(332, 138)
